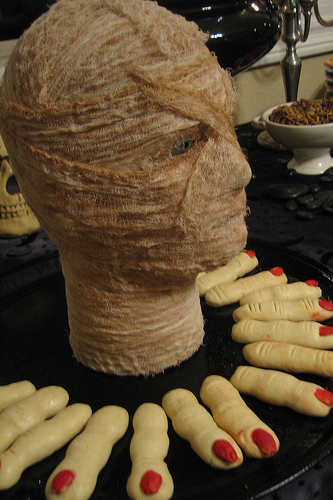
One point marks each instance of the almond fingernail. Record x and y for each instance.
(264, 441)
(151, 482)
(62, 480)
(223, 449)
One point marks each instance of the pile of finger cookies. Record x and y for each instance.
(283, 327)
(36, 423)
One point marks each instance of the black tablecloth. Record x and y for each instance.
(268, 220)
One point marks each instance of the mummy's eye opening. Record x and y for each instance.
(182, 146)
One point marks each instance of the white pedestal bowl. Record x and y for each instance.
(310, 144)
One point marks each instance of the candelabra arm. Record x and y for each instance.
(304, 33)
(292, 12)
(320, 20)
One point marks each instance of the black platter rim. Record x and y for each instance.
(314, 439)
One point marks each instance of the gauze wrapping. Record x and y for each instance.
(94, 98)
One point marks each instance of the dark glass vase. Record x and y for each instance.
(240, 31)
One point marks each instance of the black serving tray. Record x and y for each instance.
(34, 345)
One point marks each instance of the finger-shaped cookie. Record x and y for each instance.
(294, 310)
(306, 333)
(41, 441)
(289, 358)
(284, 291)
(23, 415)
(229, 293)
(239, 265)
(232, 414)
(194, 423)
(12, 393)
(282, 389)
(150, 477)
(73, 479)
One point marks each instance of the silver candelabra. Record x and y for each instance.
(296, 19)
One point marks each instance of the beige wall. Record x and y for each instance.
(261, 88)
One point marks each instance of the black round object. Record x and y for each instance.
(287, 191)
(34, 346)
(240, 31)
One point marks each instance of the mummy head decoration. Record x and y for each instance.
(121, 136)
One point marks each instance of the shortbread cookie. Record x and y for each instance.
(294, 310)
(228, 293)
(41, 441)
(23, 415)
(195, 424)
(285, 291)
(289, 358)
(73, 479)
(240, 265)
(150, 477)
(306, 333)
(12, 393)
(231, 413)
(283, 389)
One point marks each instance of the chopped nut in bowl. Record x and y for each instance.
(304, 112)
(304, 127)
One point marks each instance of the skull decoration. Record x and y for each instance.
(16, 217)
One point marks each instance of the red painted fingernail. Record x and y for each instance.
(62, 480)
(223, 449)
(264, 441)
(151, 482)
(325, 330)
(312, 282)
(277, 271)
(324, 396)
(250, 253)
(326, 304)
